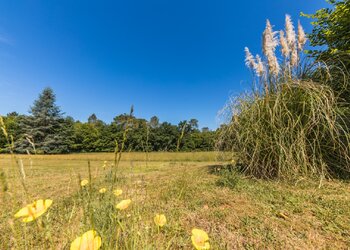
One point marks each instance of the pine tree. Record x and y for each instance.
(44, 128)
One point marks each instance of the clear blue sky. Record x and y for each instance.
(175, 59)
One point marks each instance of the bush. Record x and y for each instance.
(293, 132)
(288, 126)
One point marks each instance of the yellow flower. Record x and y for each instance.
(200, 239)
(118, 192)
(88, 241)
(123, 204)
(83, 183)
(34, 210)
(160, 220)
(104, 164)
(103, 190)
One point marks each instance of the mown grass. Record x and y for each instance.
(127, 156)
(236, 211)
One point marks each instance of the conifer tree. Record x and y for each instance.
(43, 129)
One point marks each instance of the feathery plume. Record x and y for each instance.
(290, 32)
(284, 46)
(259, 67)
(270, 43)
(249, 59)
(276, 67)
(301, 37)
(294, 57)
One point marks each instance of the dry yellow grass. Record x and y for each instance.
(127, 156)
(237, 212)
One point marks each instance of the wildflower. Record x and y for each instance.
(301, 37)
(104, 164)
(102, 190)
(34, 210)
(124, 204)
(160, 220)
(88, 241)
(118, 192)
(83, 183)
(200, 239)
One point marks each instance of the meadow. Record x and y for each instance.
(279, 179)
(193, 190)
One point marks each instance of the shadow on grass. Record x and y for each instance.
(229, 175)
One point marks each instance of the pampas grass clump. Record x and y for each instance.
(288, 126)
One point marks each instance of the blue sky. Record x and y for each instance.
(175, 59)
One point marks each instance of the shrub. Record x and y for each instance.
(288, 126)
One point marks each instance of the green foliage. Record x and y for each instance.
(11, 122)
(331, 40)
(46, 130)
(228, 177)
(43, 130)
(331, 29)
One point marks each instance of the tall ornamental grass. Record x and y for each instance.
(288, 126)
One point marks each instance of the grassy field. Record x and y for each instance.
(193, 190)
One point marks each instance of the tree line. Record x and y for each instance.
(47, 130)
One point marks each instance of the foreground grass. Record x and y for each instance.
(237, 212)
